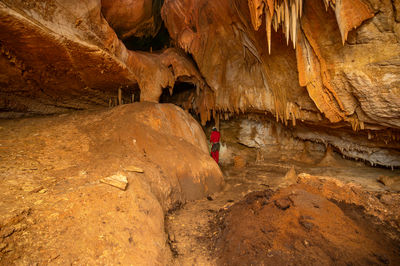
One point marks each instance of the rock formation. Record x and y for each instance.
(54, 207)
(328, 66)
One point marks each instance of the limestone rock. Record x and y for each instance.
(118, 181)
(392, 182)
(329, 158)
(386, 180)
(289, 178)
(82, 56)
(132, 168)
(132, 17)
(234, 64)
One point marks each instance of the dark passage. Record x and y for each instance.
(158, 42)
(183, 95)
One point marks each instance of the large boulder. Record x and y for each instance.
(54, 209)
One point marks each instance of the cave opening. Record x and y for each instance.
(136, 93)
(149, 43)
(182, 95)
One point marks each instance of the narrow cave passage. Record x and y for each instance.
(160, 41)
(183, 95)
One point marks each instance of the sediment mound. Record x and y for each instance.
(298, 225)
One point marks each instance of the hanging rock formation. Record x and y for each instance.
(325, 64)
(132, 17)
(60, 57)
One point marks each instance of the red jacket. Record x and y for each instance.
(215, 135)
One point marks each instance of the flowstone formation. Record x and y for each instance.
(321, 66)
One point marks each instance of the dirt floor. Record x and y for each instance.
(296, 211)
(340, 215)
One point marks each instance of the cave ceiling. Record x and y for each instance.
(333, 64)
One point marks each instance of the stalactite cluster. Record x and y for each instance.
(231, 51)
(287, 14)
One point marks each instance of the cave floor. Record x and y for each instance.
(196, 231)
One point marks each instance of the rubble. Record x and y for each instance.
(118, 181)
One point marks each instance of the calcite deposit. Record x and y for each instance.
(294, 86)
(330, 65)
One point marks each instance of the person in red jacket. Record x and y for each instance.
(214, 140)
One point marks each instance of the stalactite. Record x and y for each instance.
(287, 13)
(294, 25)
(119, 96)
(268, 24)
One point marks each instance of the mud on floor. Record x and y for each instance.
(299, 226)
(315, 221)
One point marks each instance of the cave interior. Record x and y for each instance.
(107, 109)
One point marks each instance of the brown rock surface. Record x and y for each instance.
(60, 57)
(53, 207)
(132, 17)
(334, 68)
(298, 225)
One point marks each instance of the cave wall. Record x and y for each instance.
(327, 75)
(250, 136)
(59, 57)
(345, 80)
(323, 64)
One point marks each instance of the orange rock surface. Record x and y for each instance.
(329, 63)
(54, 207)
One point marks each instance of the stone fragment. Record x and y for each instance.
(291, 175)
(289, 178)
(306, 224)
(386, 199)
(118, 181)
(32, 189)
(133, 168)
(282, 204)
